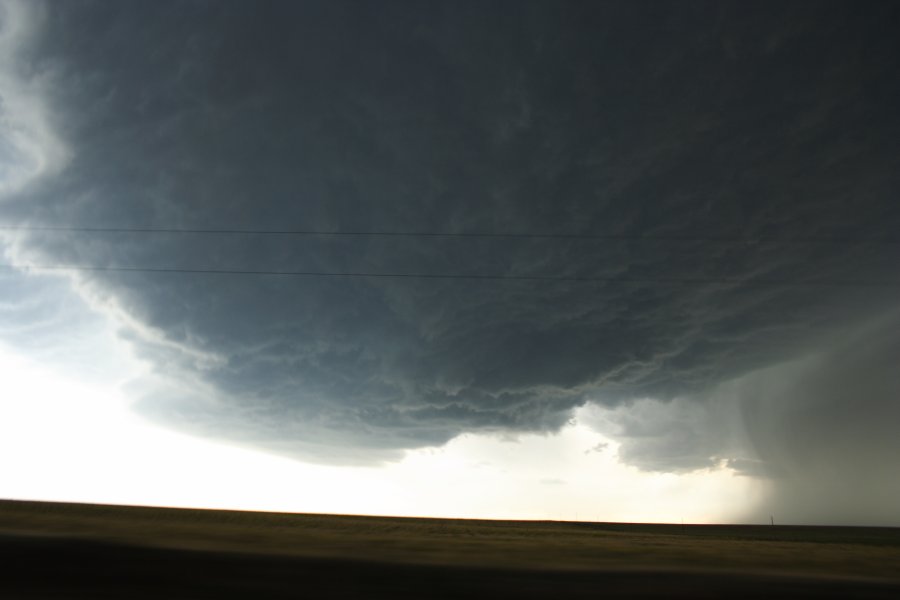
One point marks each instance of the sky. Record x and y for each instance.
(626, 261)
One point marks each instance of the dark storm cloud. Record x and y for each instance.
(704, 122)
(678, 435)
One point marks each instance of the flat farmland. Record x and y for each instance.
(80, 550)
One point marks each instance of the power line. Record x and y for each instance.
(437, 234)
(472, 277)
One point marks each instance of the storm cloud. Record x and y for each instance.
(737, 160)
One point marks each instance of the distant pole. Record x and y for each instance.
(772, 519)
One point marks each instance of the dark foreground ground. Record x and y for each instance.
(83, 551)
(59, 568)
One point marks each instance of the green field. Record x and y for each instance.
(858, 554)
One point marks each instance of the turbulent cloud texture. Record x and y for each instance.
(750, 146)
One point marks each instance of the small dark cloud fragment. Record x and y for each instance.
(600, 447)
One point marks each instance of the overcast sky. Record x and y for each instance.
(728, 314)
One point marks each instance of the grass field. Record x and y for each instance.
(868, 558)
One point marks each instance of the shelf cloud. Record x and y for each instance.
(740, 160)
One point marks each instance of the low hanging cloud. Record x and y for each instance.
(740, 160)
(823, 429)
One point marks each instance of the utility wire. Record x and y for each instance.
(472, 277)
(436, 234)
